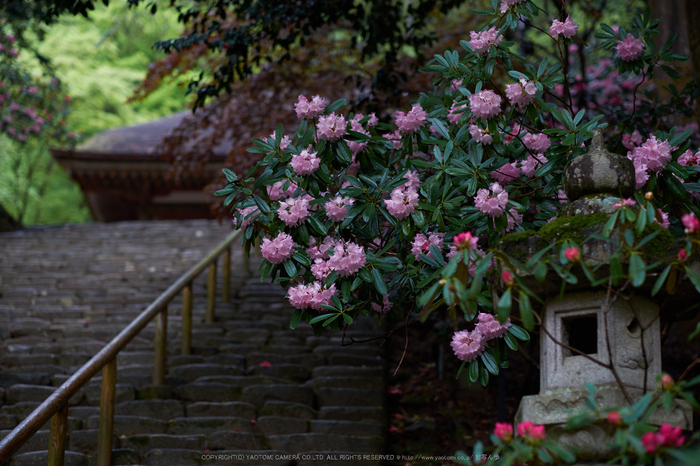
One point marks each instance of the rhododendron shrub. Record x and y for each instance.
(381, 219)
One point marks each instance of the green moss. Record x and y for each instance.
(571, 228)
(659, 247)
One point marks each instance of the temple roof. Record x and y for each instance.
(133, 143)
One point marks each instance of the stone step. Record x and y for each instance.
(229, 409)
(208, 425)
(131, 425)
(38, 458)
(158, 409)
(316, 441)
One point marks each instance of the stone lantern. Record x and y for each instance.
(625, 335)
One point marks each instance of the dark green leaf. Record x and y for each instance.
(526, 310)
(379, 282)
(489, 362)
(294, 321)
(660, 281)
(519, 333)
(637, 270)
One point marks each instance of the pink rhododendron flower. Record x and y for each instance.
(641, 175)
(396, 139)
(320, 269)
(480, 135)
(320, 251)
(384, 307)
(568, 28)
(531, 432)
(506, 5)
(276, 192)
(531, 164)
(403, 202)
(279, 249)
(485, 104)
(265, 364)
(312, 295)
(482, 41)
(522, 93)
(630, 48)
(337, 208)
(357, 147)
(331, 127)
(284, 142)
(653, 153)
(664, 219)
(538, 143)
(491, 328)
(671, 436)
(309, 110)
(630, 141)
(624, 203)
(666, 380)
(467, 345)
(688, 159)
(491, 201)
(503, 431)
(691, 224)
(413, 180)
(412, 121)
(347, 258)
(293, 211)
(650, 442)
(515, 218)
(506, 173)
(455, 85)
(305, 163)
(682, 255)
(456, 112)
(465, 240)
(421, 244)
(248, 214)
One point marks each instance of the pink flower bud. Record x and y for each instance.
(531, 432)
(614, 418)
(465, 240)
(508, 278)
(682, 255)
(666, 382)
(504, 431)
(572, 254)
(691, 224)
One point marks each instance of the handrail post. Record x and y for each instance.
(160, 347)
(226, 285)
(107, 398)
(186, 319)
(211, 293)
(57, 437)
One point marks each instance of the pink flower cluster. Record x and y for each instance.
(421, 244)
(331, 127)
(312, 295)
(507, 4)
(485, 104)
(480, 135)
(537, 142)
(482, 41)
(503, 431)
(284, 142)
(514, 218)
(279, 249)
(653, 155)
(531, 432)
(521, 94)
(492, 201)
(688, 159)
(403, 201)
(468, 345)
(532, 163)
(412, 121)
(309, 110)
(337, 208)
(667, 436)
(568, 28)
(347, 258)
(276, 191)
(248, 214)
(384, 307)
(355, 125)
(294, 211)
(305, 163)
(691, 224)
(506, 173)
(630, 141)
(630, 48)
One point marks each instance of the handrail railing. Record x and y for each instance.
(55, 406)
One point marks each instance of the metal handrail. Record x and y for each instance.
(56, 404)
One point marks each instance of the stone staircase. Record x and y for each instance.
(252, 391)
